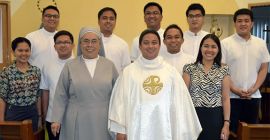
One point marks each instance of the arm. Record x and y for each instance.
(45, 102)
(2, 109)
(186, 79)
(260, 79)
(226, 106)
(38, 104)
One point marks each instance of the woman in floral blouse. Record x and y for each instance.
(209, 85)
(19, 85)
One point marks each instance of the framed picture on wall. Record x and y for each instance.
(5, 52)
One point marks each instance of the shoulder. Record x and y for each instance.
(204, 32)
(7, 70)
(136, 39)
(120, 40)
(35, 68)
(33, 34)
(188, 56)
(189, 67)
(225, 68)
(228, 39)
(105, 61)
(257, 40)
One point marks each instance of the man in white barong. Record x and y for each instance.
(116, 49)
(152, 17)
(173, 39)
(150, 100)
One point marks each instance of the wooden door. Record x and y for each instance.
(5, 51)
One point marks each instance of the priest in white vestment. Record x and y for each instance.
(150, 100)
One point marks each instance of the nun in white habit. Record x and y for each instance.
(80, 109)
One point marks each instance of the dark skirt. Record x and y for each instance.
(211, 120)
(20, 113)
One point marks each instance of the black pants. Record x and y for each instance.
(50, 134)
(20, 113)
(245, 110)
(211, 120)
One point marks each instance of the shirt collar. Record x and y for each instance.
(193, 34)
(48, 33)
(241, 38)
(151, 64)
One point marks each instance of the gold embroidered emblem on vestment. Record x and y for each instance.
(152, 85)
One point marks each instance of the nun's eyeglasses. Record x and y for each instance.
(88, 41)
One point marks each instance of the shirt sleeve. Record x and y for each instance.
(226, 70)
(4, 86)
(126, 57)
(265, 53)
(117, 108)
(223, 51)
(61, 95)
(135, 49)
(44, 79)
(187, 69)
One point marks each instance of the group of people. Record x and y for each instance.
(174, 85)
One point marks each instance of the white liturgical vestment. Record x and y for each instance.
(150, 101)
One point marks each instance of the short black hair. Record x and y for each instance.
(243, 11)
(173, 26)
(63, 32)
(217, 59)
(18, 40)
(101, 11)
(149, 31)
(50, 7)
(153, 4)
(195, 6)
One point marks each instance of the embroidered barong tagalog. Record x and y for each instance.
(152, 85)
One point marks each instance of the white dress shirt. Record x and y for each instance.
(244, 59)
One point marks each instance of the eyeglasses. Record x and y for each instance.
(65, 43)
(88, 41)
(195, 16)
(155, 13)
(51, 16)
(173, 37)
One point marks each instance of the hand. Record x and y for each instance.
(225, 132)
(120, 136)
(55, 128)
(240, 92)
(250, 91)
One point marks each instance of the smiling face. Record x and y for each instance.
(243, 25)
(209, 50)
(173, 40)
(107, 22)
(50, 20)
(152, 17)
(90, 45)
(22, 53)
(63, 46)
(150, 46)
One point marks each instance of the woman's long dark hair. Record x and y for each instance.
(217, 59)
